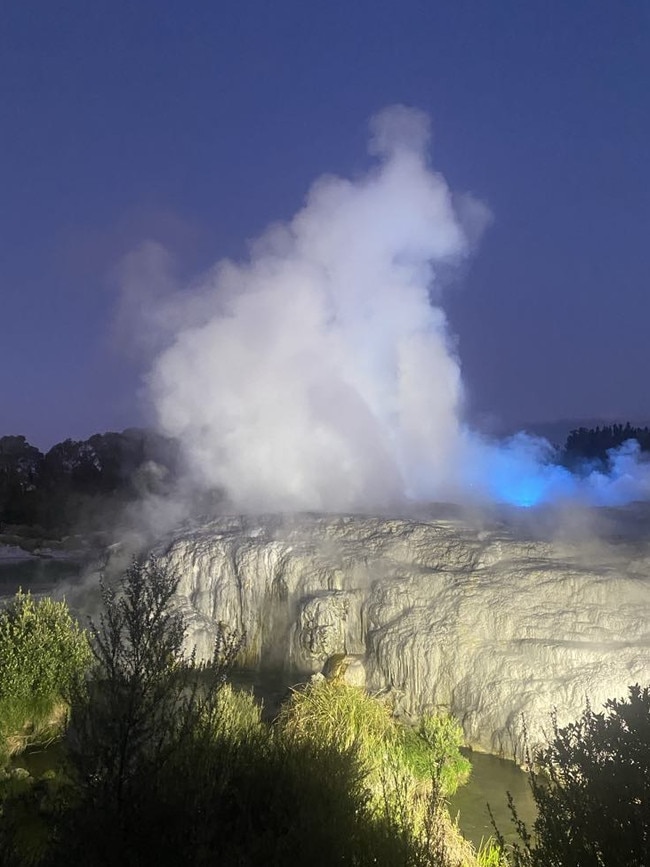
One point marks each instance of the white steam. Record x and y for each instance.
(324, 377)
(320, 374)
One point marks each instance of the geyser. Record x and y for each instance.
(320, 373)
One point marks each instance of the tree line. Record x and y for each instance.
(75, 482)
(593, 444)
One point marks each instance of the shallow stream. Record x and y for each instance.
(491, 779)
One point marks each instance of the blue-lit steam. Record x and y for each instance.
(522, 472)
(320, 373)
(525, 471)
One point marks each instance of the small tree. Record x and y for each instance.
(144, 695)
(591, 785)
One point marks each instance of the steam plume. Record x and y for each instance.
(320, 374)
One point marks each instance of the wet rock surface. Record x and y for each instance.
(491, 622)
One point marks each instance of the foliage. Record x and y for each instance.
(303, 790)
(174, 766)
(275, 802)
(78, 482)
(168, 764)
(407, 772)
(19, 466)
(593, 444)
(144, 696)
(29, 808)
(491, 854)
(42, 651)
(591, 786)
(235, 717)
(331, 711)
(432, 751)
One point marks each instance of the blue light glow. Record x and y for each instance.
(522, 472)
(526, 486)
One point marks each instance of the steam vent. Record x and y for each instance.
(488, 622)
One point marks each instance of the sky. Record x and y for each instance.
(196, 125)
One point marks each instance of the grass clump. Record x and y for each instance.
(330, 711)
(490, 854)
(406, 773)
(236, 717)
(432, 752)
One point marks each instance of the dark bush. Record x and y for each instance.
(591, 785)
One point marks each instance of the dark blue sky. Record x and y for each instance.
(196, 124)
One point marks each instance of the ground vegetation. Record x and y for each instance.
(164, 762)
(591, 785)
(42, 652)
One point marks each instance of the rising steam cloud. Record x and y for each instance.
(320, 374)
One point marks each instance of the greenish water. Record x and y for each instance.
(489, 783)
(37, 574)
(39, 760)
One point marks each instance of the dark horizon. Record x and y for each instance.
(555, 431)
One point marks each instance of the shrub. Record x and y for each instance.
(144, 696)
(42, 650)
(330, 711)
(432, 751)
(591, 785)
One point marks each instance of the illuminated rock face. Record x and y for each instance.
(485, 623)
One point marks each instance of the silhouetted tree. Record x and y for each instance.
(135, 715)
(591, 785)
(591, 445)
(20, 466)
(78, 483)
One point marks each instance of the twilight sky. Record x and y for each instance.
(198, 124)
